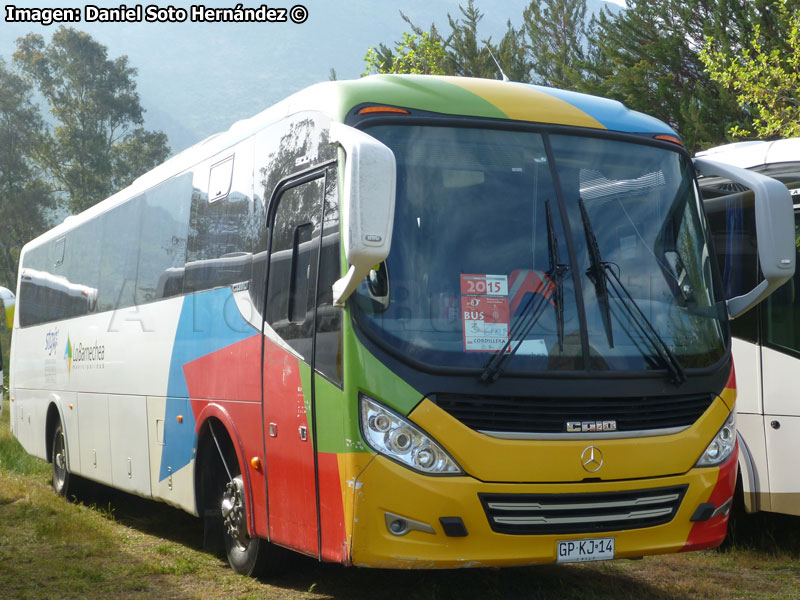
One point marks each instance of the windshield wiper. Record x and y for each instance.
(602, 271)
(534, 309)
(596, 273)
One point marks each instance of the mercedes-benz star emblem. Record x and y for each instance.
(592, 459)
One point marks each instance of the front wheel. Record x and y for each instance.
(247, 555)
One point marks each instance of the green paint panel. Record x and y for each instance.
(423, 93)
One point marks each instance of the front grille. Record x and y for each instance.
(530, 514)
(550, 415)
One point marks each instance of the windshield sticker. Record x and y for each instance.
(484, 310)
(484, 285)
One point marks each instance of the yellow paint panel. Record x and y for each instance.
(559, 460)
(526, 104)
(728, 396)
(385, 486)
(351, 465)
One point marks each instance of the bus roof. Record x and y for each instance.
(461, 96)
(754, 154)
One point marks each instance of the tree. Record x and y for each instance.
(98, 144)
(648, 57)
(429, 52)
(514, 56)
(24, 196)
(468, 56)
(556, 34)
(764, 75)
(419, 53)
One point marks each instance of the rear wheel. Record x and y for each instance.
(64, 483)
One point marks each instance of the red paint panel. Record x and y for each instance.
(227, 374)
(331, 509)
(711, 533)
(732, 378)
(230, 379)
(290, 459)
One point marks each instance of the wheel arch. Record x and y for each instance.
(54, 417)
(748, 484)
(215, 417)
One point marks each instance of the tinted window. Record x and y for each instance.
(328, 353)
(294, 256)
(120, 255)
(782, 328)
(165, 224)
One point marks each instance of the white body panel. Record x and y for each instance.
(747, 361)
(93, 437)
(130, 458)
(782, 428)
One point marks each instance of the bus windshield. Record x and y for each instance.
(528, 252)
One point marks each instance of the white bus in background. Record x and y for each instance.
(7, 301)
(766, 340)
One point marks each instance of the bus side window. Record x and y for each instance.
(165, 227)
(293, 263)
(782, 314)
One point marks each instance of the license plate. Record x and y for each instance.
(586, 550)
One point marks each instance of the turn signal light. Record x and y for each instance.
(669, 138)
(382, 109)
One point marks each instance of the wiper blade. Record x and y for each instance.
(648, 331)
(596, 272)
(534, 309)
(603, 276)
(557, 271)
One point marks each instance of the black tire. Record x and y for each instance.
(64, 483)
(249, 556)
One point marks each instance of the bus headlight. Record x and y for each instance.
(721, 447)
(389, 434)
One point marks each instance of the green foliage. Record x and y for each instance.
(416, 54)
(97, 146)
(764, 75)
(427, 52)
(556, 32)
(24, 196)
(467, 54)
(647, 57)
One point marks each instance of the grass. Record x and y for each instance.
(114, 544)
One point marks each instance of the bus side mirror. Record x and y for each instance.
(774, 216)
(9, 301)
(367, 207)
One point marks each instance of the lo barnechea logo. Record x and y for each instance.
(68, 355)
(84, 357)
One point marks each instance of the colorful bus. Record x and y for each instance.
(766, 341)
(402, 322)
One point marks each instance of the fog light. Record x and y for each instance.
(397, 527)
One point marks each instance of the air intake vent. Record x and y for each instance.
(551, 415)
(531, 514)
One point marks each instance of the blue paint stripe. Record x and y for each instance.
(209, 321)
(611, 114)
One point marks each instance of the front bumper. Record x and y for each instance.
(386, 487)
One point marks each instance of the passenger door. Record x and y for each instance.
(288, 389)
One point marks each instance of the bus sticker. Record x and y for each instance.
(484, 285)
(484, 312)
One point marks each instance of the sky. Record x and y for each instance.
(196, 79)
